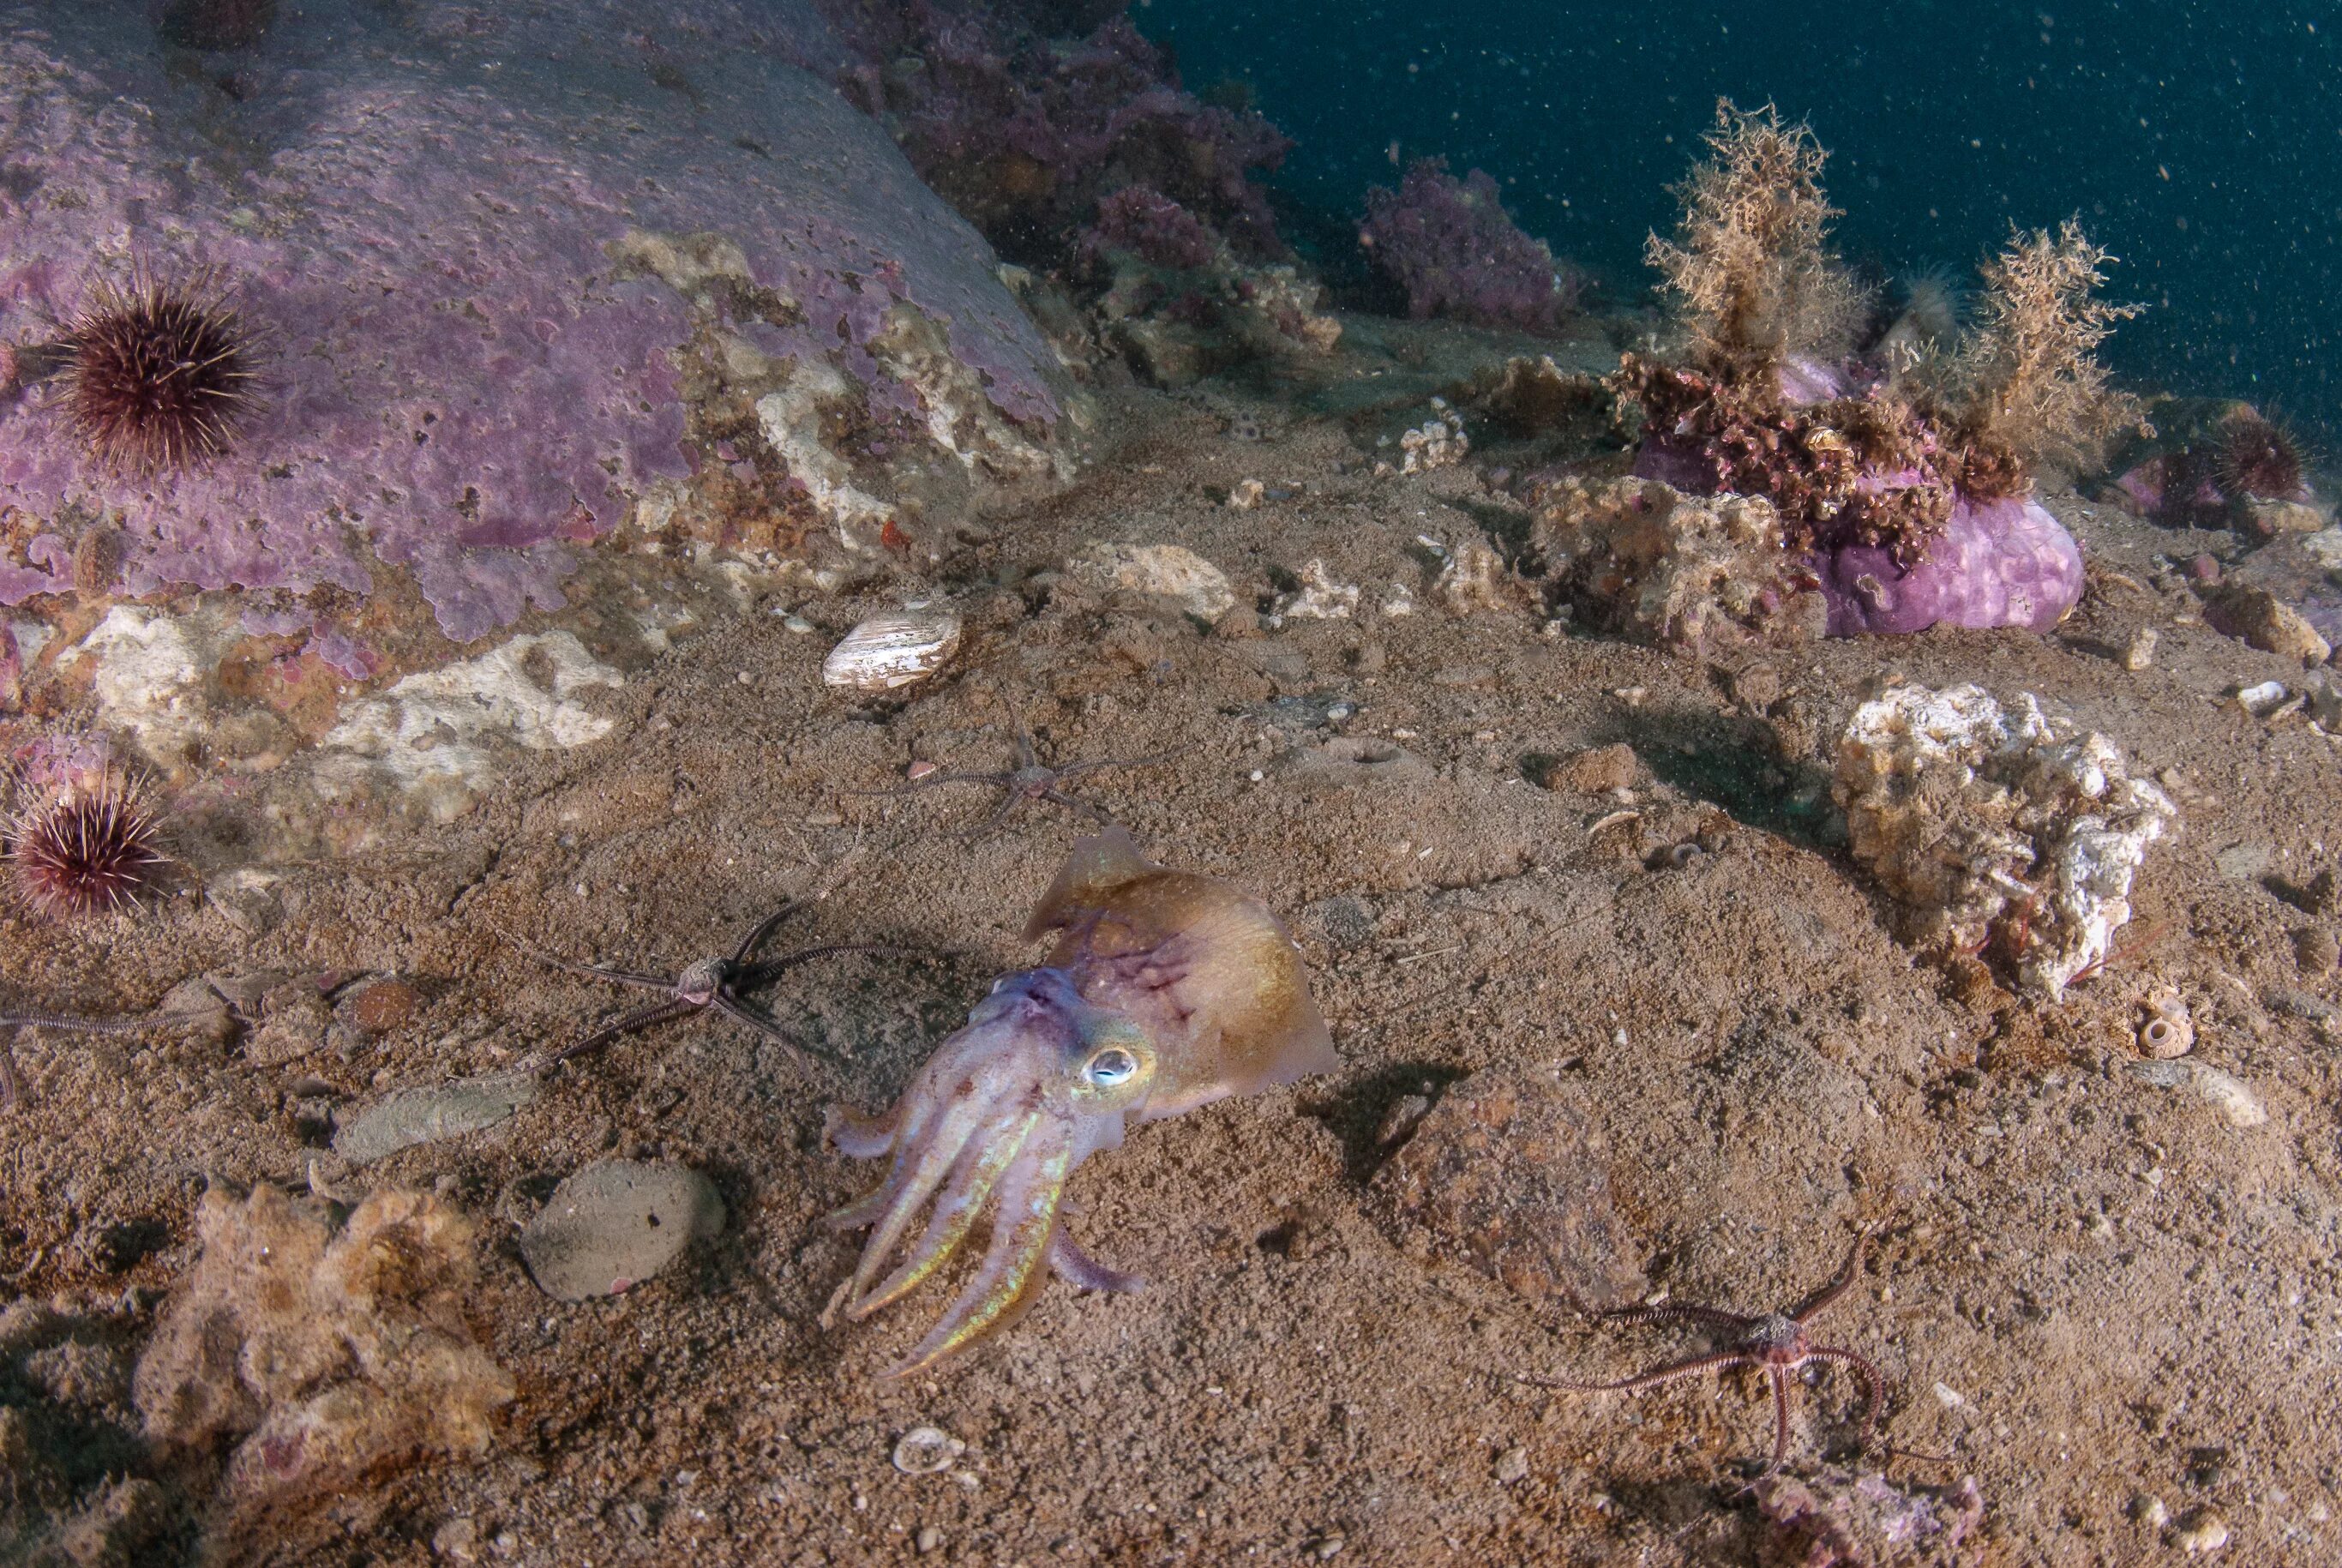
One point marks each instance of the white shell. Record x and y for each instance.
(893, 650)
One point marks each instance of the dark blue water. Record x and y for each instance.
(2201, 144)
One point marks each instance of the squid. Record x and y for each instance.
(1164, 991)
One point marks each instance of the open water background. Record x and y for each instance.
(2202, 143)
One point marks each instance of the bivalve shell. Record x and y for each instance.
(893, 650)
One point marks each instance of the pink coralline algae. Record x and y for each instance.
(1153, 228)
(419, 209)
(1024, 121)
(2004, 563)
(1459, 255)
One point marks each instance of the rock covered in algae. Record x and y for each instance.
(321, 1353)
(1641, 558)
(1996, 828)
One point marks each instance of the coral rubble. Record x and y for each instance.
(1999, 831)
(1640, 558)
(322, 1355)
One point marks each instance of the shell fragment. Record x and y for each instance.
(892, 649)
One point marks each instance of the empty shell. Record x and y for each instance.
(893, 650)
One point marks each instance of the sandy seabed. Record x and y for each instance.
(2111, 1306)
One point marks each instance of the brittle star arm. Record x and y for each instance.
(1671, 1312)
(11, 1090)
(591, 971)
(1847, 1274)
(1874, 1385)
(640, 1018)
(1674, 1371)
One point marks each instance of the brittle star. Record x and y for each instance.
(1027, 779)
(1775, 1344)
(710, 982)
(11, 1088)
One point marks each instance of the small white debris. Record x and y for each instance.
(2205, 1532)
(1246, 495)
(2262, 699)
(1513, 1465)
(1948, 1397)
(1163, 571)
(2141, 653)
(892, 650)
(1321, 599)
(926, 1451)
(2231, 1097)
(1439, 442)
(1398, 602)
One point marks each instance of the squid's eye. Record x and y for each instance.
(1110, 1067)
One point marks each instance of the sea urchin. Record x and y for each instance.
(2257, 458)
(157, 373)
(85, 848)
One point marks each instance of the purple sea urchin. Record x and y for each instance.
(2259, 459)
(157, 372)
(86, 847)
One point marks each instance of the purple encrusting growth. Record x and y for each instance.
(414, 207)
(2005, 562)
(1459, 255)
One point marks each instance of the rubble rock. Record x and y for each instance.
(1640, 558)
(322, 1355)
(1838, 1519)
(615, 1224)
(1510, 1174)
(1996, 827)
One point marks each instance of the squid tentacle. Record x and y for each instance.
(1015, 1267)
(954, 1214)
(915, 1176)
(862, 1138)
(1085, 1273)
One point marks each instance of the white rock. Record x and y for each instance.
(1166, 571)
(433, 734)
(2263, 699)
(892, 649)
(2231, 1097)
(1990, 824)
(1321, 599)
(1439, 442)
(429, 1113)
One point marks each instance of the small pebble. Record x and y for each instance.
(2150, 1510)
(2203, 1533)
(1326, 1548)
(926, 1451)
(2140, 655)
(930, 1538)
(1513, 1465)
